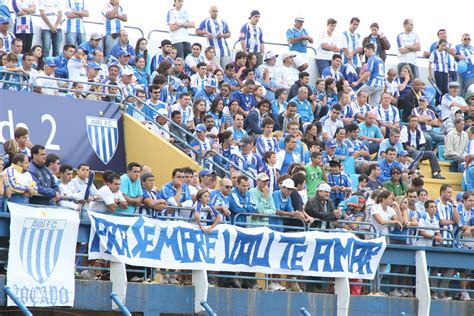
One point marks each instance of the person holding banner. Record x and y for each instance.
(153, 204)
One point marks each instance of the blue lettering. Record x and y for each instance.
(290, 242)
(53, 295)
(168, 242)
(296, 258)
(143, 241)
(211, 247)
(63, 296)
(361, 255)
(109, 230)
(341, 252)
(322, 252)
(44, 295)
(263, 261)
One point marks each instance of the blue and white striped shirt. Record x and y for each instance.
(216, 27)
(253, 37)
(111, 26)
(445, 212)
(24, 23)
(439, 61)
(266, 144)
(75, 25)
(7, 41)
(330, 72)
(389, 115)
(351, 42)
(377, 71)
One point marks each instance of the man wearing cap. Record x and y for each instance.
(207, 179)
(251, 37)
(262, 197)
(123, 45)
(286, 74)
(92, 72)
(414, 141)
(427, 120)
(321, 207)
(156, 60)
(5, 36)
(122, 61)
(203, 143)
(125, 82)
(298, 39)
(450, 103)
(91, 45)
(163, 129)
(265, 73)
(245, 159)
(24, 11)
(283, 206)
(75, 12)
(113, 74)
(207, 92)
(216, 31)
(113, 17)
(44, 85)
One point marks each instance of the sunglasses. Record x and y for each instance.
(228, 187)
(394, 173)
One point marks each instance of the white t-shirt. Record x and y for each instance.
(330, 127)
(324, 38)
(48, 86)
(427, 222)
(105, 197)
(181, 16)
(404, 39)
(386, 216)
(51, 9)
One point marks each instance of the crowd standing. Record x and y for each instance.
(346, 146)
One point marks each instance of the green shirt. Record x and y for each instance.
(262, 205)
(314, 175)
(396, 188)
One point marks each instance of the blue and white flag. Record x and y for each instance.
(103, 136)
(143, 241)
(41, 255)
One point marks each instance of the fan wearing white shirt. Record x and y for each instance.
(109, 197)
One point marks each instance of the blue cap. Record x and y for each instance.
(205, 172)
(210, 82)
(49, 62)
(200, 128)
(331, 143)
(123, 53)
(93, 65)
(4, 19)
(402, 153)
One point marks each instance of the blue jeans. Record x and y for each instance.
(110, 41)
(48, 38)
(75, 39)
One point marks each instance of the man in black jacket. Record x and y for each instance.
(48, 191)
(321, 207)
(410, 100)
(253, 122)
(303, 81)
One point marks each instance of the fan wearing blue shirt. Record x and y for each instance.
(388, 163)
(131, 188)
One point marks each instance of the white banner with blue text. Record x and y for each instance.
(143, 241)
(41, 255)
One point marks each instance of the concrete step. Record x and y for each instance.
(425, 166)
(438, 182)
(434, 193)
(451, 177)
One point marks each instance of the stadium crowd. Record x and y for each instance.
(292, 147)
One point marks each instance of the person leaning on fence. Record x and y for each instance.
(322, 207)
(153, 204)
(109, 197)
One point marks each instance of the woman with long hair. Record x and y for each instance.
(404, 80)
(396, 184)
(37, 51)
(141, 50)
(312, 134)
(386, 212)
(217, 113)
(199, 110)
(331, 91)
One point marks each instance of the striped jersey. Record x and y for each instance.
(265, 144)
(427, 113)
(377, 71)
(75, 25)
(445, 212)
(111, 26)
(351, 41)
(24, 23)
(360, 109)
(216, 27)
(330, 72)
(439, 61)
(389, 115)
(143, 210)
(253, 37)
(7, 41)
(187, 114)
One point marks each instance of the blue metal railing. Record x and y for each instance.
(304, 312)
(120, 305)
(18, 303)
(208, 309)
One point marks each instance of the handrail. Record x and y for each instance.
(33, 85)
(24, 82)
(267, 224)
(18, 303)
(304, 312)
(182, 142)
(227, 172)
(279, 44)
(208, 308)
(416, 236)
(120, 305)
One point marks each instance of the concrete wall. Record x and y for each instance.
(144, 147)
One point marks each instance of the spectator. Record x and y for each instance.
(47, 188)
(262, 197)
(341, 186)
(352, 45)
(192, 60)
(179, 21)
(374, 183)
(408, 44)
(393, 141)
(333, 71)
(23, 27)
(388, 116)
(183, 105)
(131, 188)
(428, 119)
(70, 198)
(450, 104)
(253, 122)
(289, 155)
(80, 183)
(328, 45)
(216, 31)
(286, 74)
(44, 85)
(332, 123)
(396, 184)
(322, 207)
(251, 37)
(298, 39)
(381, 43)
(18, 181)
(53, 163)
(456, 142)
(75, 32)
(370, 133)
(156, 60)
(266, 142)
(177, 194)
(314, 173)
(219, 198)
(123, 45)
(205, 213)
(5, 36)
(245, 159)
(51, 16)
(154, 206)
(114, 16)
(429, 221)
(37, 51)
(240, 201)
(388, 163)
(90, 46)
(109, 197)
(411, 99)
(207, 92)
(386, 212)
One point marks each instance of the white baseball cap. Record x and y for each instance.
(324, 187)
(289, 184)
